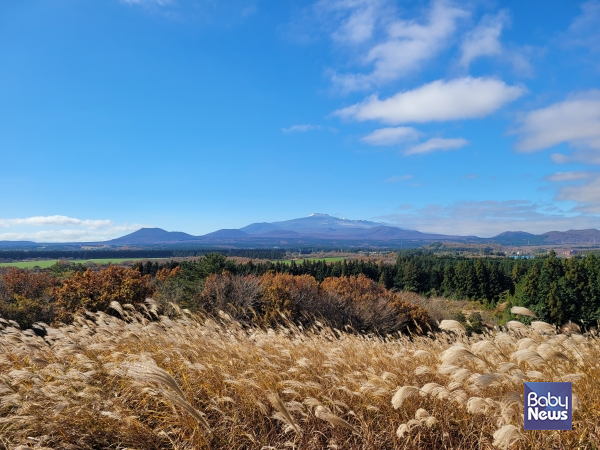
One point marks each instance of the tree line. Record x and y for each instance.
(557, 290)
(19, 255)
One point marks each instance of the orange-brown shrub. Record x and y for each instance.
(27, 283)
(25, 296)
(164, 274)
(95, 291)
(287, 294)
(374, 308)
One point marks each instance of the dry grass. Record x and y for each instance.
(193, 382)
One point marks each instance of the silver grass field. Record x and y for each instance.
(144, 381)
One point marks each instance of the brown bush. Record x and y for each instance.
(25, 297)
(372, 307)
(165, 274)
(238, 296)
(27, 283)
(286, 294)
(95, 291)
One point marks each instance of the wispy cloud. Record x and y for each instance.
(560, 177)
(484, 39)
(584, 30)
(436, 145)
(402, 46)
(586, 195)
(391, 136)
(302, 128)
(575, 121)
(148, 2)
(488, 218)
(78, 230)
(355, 19)
(470, 176)
(40, 221)
(398, 178)
(461, 98)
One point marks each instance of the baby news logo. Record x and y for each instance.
(548, 406)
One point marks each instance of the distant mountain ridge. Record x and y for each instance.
(317, 226)
(321, 228)
(18, 244)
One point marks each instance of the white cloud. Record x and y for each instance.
(461, 98)
(435, 145)
(398, 179)
(483, 40)
(560, 177)
(586, 195)
(78, 230)
(69, 235)
(575, 121)
(54, 220)
(488, 218)
(405, 46)
(580, 187)
(357, 18)
(391, 136)
(148, 2)
(301, 128)
(584, 30)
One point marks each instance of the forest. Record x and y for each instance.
(20, 255)
(557, 290)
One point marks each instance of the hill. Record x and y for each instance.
(152, 236)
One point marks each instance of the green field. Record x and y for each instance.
(50, 262)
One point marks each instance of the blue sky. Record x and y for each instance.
(471, 117)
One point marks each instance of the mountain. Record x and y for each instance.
(518, 238)
(259, 228)
(324, 227)
(225, 233)
(572, 237)
(279, 233)
(324, 223)
(151, 236)
(12, 244)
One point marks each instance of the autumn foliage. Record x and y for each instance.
(28, 284)
(375, 308)
(272, 298)
(352, 303)
(25, 296)
(95, 291)
(287, 294)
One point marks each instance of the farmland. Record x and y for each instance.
(44, 264)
